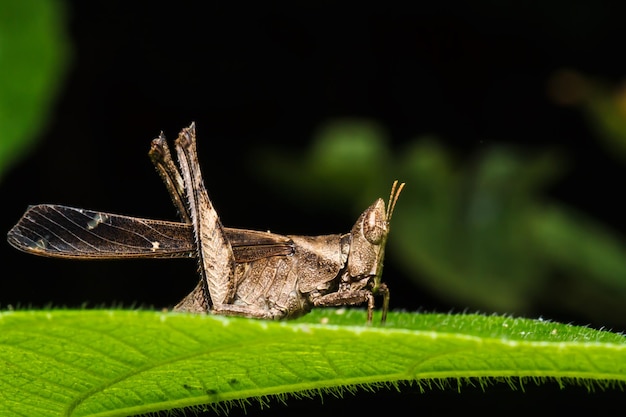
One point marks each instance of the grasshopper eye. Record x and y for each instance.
(375, 227)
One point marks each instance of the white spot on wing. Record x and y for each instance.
(40, 244)
(97, 219)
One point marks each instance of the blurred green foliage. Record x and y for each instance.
(33, 56)
(603, 104)
(475, 230)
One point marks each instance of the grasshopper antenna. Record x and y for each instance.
(393, 197)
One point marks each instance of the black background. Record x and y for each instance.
(472, 73)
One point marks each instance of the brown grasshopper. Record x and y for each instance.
(242, 272)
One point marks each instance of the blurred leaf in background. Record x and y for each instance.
(349, 161)
(476, 231)
(33, 56)
(603, 104)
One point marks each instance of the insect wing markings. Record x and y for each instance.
(67, 232)
(57, 231)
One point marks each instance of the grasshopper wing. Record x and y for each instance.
(67, 232)
(250, 245)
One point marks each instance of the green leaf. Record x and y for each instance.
(120, 362)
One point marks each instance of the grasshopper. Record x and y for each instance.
(242, 272)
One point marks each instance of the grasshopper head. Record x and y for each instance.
(369, 236)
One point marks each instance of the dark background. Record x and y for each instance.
(256, 74)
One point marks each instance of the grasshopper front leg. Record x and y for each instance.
(355, 297)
